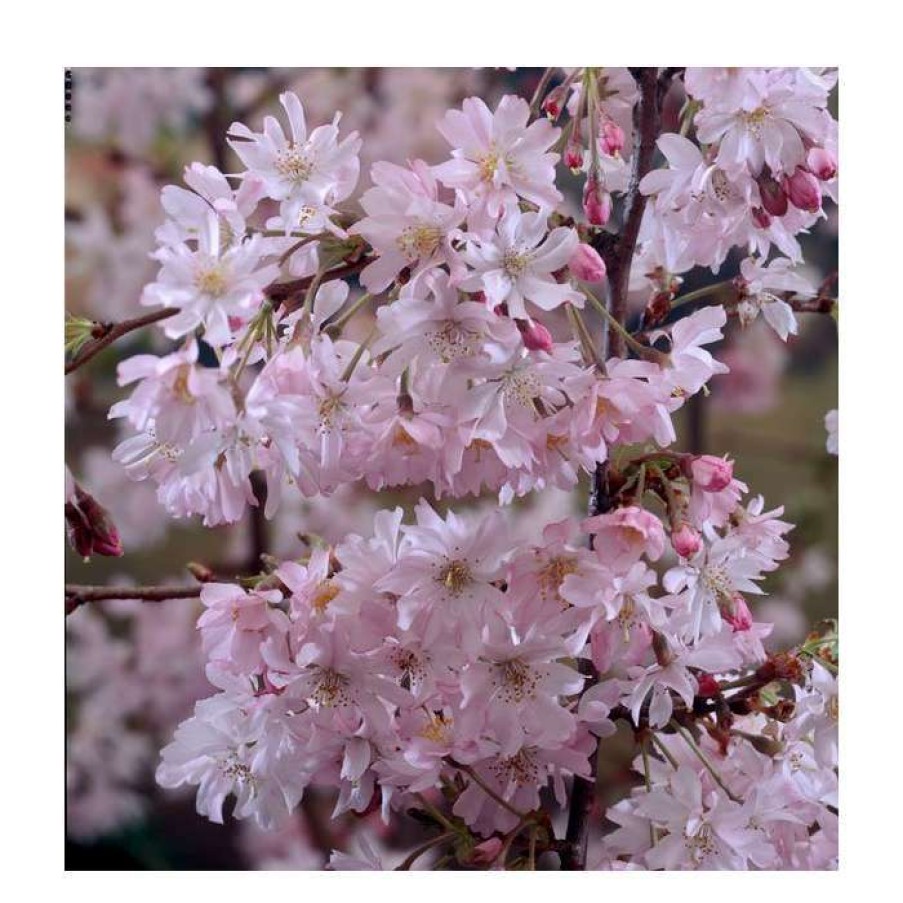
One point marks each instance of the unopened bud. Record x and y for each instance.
(761, 217)
(554, 102)
(821, 163)
(772, 193)
(712, 474)
(708, 686)
(535, 336)
(586, 264)
(596, 202)
(573, 156)
(611, 137)
(77, 531)
(686, 541)
(663, 654)
(737, 613)
(104, 535)
(487, 851)
(803, 189)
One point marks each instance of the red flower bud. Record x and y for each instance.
(760, 217)
(596, 202)
(773, 195)
(554, 102)
(536, 337)
(586, 264)
(686, 541)
(573, 156)
(737, 614)
(611, 137)
(822, 163)
(708, 686)
(803, 190)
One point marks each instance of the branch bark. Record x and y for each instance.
(647, 123)
(618, 258)
(77, 595)
(110, 332)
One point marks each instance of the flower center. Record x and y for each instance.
(419, 241)
(328, 409)
(716, 580)
(701, 844)
(489, 164)
(754, 119)
(323, 595)
(331, 689)
(437, 729)
(520, 768)
(517, 681)
(521, 386)
(515, 262)
(293, 165)
(211, 280)
(451, 341)
(455, 576)
(552, 575)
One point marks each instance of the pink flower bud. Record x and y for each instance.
(553, 103)
(822, 163)
(487, 851)
(712, 474)
(737, 614)
(803, 190)
(708, 686)
(536, 337)
(596, 203)
(773, 195)
(573, 156)
(686, 541)
(586, 264)
(761, 217)
(611, 137)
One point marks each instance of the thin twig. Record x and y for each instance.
(705, 760)
(423, 848)
(107, 333)
(77, 595)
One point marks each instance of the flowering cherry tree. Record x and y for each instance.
(444, 664)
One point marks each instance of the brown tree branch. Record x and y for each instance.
(77, 595)
(107, 333)
(647, 117)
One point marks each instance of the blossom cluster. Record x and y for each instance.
(387, 665)
(442, 663)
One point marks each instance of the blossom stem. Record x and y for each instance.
(586, 341)
(664, 751)
(340, 321)
(703, 292)
(436, 814)
(510, 838)
(644, 748)
(642, 351)
(705, 760)
(540, 91)
(487, 789)
(358, 354)
(423, 848)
